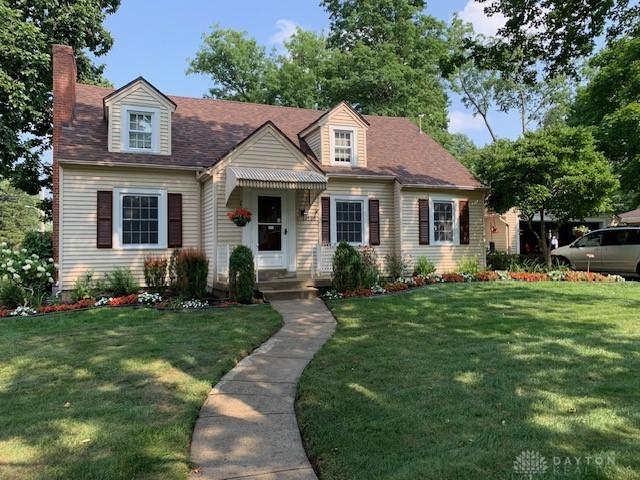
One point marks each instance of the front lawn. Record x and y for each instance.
(114, 393)
(454, 381)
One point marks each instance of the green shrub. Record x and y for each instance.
(120, 282)
(396, 266)
(516, 263)
(468, 265)
(242, 275)
(423, 267)
(83, 287)
(11, 294)
(347, 268)
(39, 243)
(191, 270)
(370, 269)
(155, 273)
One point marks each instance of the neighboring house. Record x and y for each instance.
(631, 217)
(510, 233)
(138, 173)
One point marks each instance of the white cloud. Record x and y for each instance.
(463, 122)
(473, 13)
(286, 29)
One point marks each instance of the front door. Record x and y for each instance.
(271, 251)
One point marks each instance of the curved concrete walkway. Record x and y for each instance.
(247, 427)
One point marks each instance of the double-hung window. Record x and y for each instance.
(141, 218)
(348, 224)
(140, 129)
(443, 221)
(343, 145)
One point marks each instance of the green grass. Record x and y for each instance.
(114, 393)
(455, 381)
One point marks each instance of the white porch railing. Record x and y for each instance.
(324, 260)
(223, 253)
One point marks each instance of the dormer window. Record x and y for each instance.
(141, 129)
(343, 149)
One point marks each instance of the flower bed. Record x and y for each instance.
(482, 276)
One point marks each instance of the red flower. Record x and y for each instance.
(529, 277)
(124, 300)
(239, 213)
(452, 277)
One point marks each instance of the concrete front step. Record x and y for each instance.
(285, 283)
(272, 294)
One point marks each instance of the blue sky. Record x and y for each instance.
(158, 42)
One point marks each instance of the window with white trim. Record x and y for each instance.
(349, 221)
(140, 130)
(443, 221)
(140, 219)
(342, 146)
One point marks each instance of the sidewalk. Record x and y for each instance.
(247, 427)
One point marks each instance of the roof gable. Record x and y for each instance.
(342, 107)
(139, 83)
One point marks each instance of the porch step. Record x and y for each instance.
(290, 294)
(285, 284)
(280, 274)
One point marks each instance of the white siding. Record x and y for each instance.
(80, 185)
(314, 140)
(445, 257)
(343, 116)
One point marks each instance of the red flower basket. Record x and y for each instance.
(240, 216)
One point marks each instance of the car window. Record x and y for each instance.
(590, 240)
(615, 237)
(634, 237)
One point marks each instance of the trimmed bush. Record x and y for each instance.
(242, 275)
(468, 265)
(120, 282)
(396, 266)
(192, 268)
(423, 267)
(347, 268)
(39, 243)
(11, 294)
(155, 273)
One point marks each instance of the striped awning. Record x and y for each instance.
(273, 178)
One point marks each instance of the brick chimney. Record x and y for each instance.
(64, 75)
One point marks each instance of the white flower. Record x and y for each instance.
(16, 277)
(50, 260)
(28, 261)
(24, 250)
(3, 244)
(48, 274)
(40, 269)
(4, 265)
(51, 280)
(11, 269)
(6, 251)
(9, 262)
(26, 268)
(35, 256)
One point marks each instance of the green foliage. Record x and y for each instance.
(39, 243)
(347, 268)
(121, 282)
(242, 275)
(34, 275)
(83, 287)
(393, 69)
(370, 268)
(192, 268)
(555, 171)
(468, 265)
(564, 30)
(18, 212)
(155, 272)
(27, 30)
(11, 294)
(615, 117)
(423, 267)
(396, 266)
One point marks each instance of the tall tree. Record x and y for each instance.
(556, 32)
(18, 213)
(27, 30)
(557, 171)
(610, 103)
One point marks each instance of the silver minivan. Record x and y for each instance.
(614, 250)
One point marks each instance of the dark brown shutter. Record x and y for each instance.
(104, 216)
(374, 222)
(326, 220)
(423, 221)
(464, 222)
(174, 208)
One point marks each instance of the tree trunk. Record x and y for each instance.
(541, 237)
